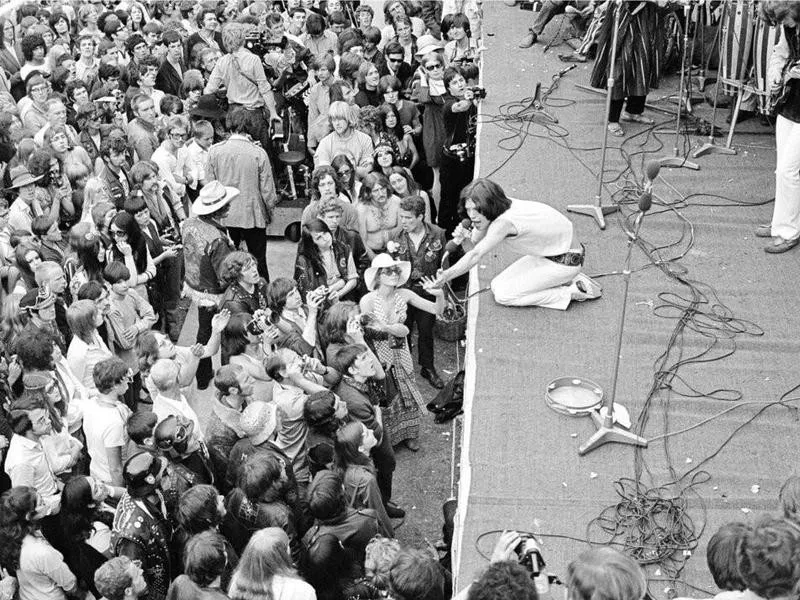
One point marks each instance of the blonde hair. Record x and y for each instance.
(94, 192)
(341, 110)
(233, 35)
(265, 556)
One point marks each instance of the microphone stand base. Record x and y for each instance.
(607, 433)
(676, 162)
(712, 148)
(597, 211)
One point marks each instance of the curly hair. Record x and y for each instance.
(505, 580)
(769, 557)
(230, 270)
(318, 175)
(775, 11)
(381, 553)
(197, 509)
(370, 120)
(605, 574)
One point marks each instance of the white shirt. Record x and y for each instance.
(163, 407)
(42, 573)
(20, 216)
(27, 464)
(104, 429)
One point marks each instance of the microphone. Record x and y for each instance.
(651, 170)
(453, 244)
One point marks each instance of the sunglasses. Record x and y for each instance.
(117, 233)
(394, 60)
(391, 271)
(433, 67)
(179, 136)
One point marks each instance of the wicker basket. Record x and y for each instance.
(452, 325)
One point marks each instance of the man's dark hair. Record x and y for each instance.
(140, 426)
(372, 34)
(204, 557)
(767, 557)
(346, 356)
(35, 350)
(721, 556)
(134, 41)
(107, 71)
(239, 120)
(315, 24)
(413, 204)
(113, 143)
(29, 43)
(108, 373)
(170, 37)
(41, 225)
(505, 580)
(115, 271)
(393, 48)
(326, 498)
(489, 198)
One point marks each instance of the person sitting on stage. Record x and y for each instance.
(548, 275)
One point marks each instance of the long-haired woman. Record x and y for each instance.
(327, 186)
(296, 322)
(87, 348)
(354, 441)
(85, 536)
(130, 248)
(404, 186)
(9, 60)
(86, 258)
(265, 570)
(24, 551)
(324, 262)
(346, 174)
(393, 127)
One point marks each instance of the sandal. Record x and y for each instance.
(626, 116)
(615, 130)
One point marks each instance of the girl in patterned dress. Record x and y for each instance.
(386, 305)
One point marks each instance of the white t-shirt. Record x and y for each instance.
(104, 427)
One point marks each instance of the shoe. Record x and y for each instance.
(626, 116)
(433, 378)
(615, 130)
(764, 231)
(588, 288)
(572, 58)
(529, 39)
(394, 511)
(780, 245)
(412, 445)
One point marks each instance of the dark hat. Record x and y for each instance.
(143, 469)
(37, 299)
(208, 108)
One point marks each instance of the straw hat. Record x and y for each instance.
(212, 197)
(259, 421)
(427, 44)
(20, 176)
(383, 261)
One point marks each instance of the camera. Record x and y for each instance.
(460, 152)
(478, 92)
(530, 557)
(259, 43)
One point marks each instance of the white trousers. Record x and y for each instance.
(786, 214)
(535, 281)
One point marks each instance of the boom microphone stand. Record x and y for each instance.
(607, 431)
(597, 210)
(710, 147)
(676, 161)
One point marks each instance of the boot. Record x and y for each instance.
(529, 39)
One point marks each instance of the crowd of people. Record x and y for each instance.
(143, 154)
(144, 148)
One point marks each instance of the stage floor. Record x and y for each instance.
(520, 467)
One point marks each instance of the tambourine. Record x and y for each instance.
(573, 396)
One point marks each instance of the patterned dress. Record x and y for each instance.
(401, 419)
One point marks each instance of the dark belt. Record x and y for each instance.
(569, 259)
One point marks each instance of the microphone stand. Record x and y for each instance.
(607, 431)
(676, 161)
(597, 210)
(710, 147)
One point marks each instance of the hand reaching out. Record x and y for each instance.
(504, 548)
(433, 286)
(220, 320)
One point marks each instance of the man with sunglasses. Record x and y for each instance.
(397, 66)
(141, 529)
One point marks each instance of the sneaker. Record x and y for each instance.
(780, 245)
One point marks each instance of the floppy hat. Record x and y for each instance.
(427, 44)
(383, 261)
(258, 421)
(208, 107)
(20, 176)
(212, 197)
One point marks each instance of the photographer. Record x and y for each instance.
(458, 154)
(246, 85)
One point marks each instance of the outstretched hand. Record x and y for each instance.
(434, 285)
(504, 548)
(220, 320)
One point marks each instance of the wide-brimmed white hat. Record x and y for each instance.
(383, 261)
(212, 197)
(426, 44)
